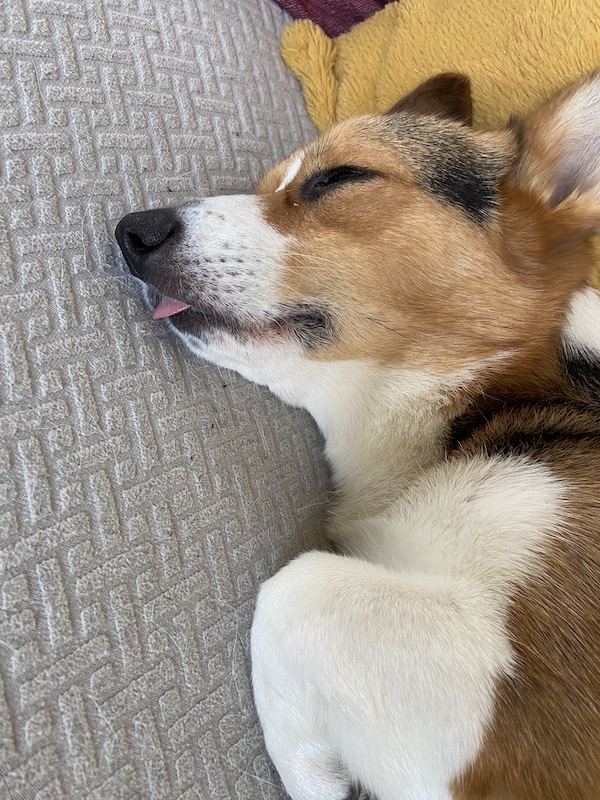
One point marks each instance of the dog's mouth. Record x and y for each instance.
(310, 324)
(198, 318)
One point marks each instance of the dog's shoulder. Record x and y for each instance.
(565, 419)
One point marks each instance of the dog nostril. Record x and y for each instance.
(136, 243)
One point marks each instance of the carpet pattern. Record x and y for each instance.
(144, 495)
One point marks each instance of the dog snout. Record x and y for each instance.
(144, 235)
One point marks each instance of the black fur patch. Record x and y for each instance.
(312, 324)
(356, 793)
(465, 182)
(453, 163)
(583, 371)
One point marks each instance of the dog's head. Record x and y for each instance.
(406, 240)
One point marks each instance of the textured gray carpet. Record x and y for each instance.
(143, 495)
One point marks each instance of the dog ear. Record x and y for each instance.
(447, 95)
(560, 154)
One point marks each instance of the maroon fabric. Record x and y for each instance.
(334, 16)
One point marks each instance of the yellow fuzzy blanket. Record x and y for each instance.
(517, 53)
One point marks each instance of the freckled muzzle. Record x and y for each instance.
(223, 261)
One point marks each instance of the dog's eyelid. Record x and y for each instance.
(322, 181)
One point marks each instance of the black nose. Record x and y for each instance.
(143, 234)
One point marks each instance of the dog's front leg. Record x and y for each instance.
(364, 674)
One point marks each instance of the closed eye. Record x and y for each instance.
(327, 180)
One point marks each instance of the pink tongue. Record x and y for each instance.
(167, 307)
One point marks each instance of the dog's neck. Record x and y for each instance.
(381, 426)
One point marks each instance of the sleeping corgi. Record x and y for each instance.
(420, 288)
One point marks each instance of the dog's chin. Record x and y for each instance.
(205, 323)
(309, 325)
(197, 319)
(256, 351)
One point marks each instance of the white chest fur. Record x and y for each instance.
(485, 520)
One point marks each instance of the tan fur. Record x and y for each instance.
(508, 283)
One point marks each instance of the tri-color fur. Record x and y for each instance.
(420, 288)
